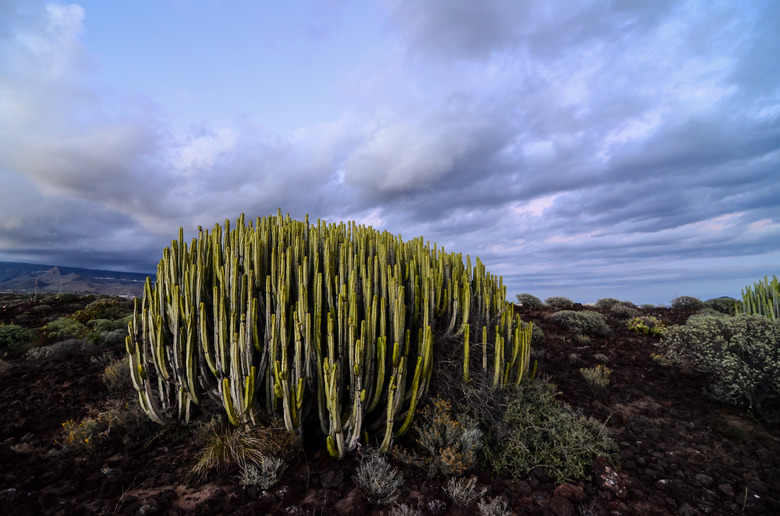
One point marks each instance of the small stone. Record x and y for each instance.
(702, 480)
(686, 510)
(570, 492)
(353, 504)
(561, 506)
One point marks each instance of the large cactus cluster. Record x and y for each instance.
(762, 299)
(331, 322)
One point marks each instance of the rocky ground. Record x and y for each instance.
(681, 453)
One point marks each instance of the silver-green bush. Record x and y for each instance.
(530, 301)
(559, 302)
(378, 480)
(742, 355)
(687, 303)
(586, 322)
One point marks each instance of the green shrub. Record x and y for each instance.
(741, 354)
(64, 328)
(725, 305)
(67, 298)
(582, 340)
(530, 302)
(559, 302)
(102, 309)
(624, 310)
(646, 325)
(586, 322)
(103, 325)
(607, 302)
(687, 303)
(15, 340)
(706, 312)
(536, 430)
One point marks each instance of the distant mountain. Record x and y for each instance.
(27, 277)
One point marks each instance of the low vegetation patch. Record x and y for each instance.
(538, 431)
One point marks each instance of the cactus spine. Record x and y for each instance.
(289, 319)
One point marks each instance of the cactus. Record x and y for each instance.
(762, 299)
(329, 322)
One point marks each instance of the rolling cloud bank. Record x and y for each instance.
(586, 149)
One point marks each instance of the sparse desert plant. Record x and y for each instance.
(116, 375)
(725, 305)
(559, 302)
(449, 443)
(530, 302)
(378, 480)
(495, 507)
(646, 325)
(222, 446)
(404, 510)
(582, 340)
(82, 437)
(265, 474)
(15, 340)
(687, 303)
(537, 430)
(574, 358)
(661, 360)
(463, 491)
(585, 322)
(741, 354)
(601, 358)
(597, 378)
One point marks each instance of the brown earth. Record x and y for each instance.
(681, 452)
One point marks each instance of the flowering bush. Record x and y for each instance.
(646, 325)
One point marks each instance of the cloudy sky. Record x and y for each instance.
(589, 149)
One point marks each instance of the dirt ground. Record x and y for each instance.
(681, 452)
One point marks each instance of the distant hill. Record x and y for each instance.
(27, 277)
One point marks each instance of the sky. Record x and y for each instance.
(585, 149)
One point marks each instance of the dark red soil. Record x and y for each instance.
(681, 453)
